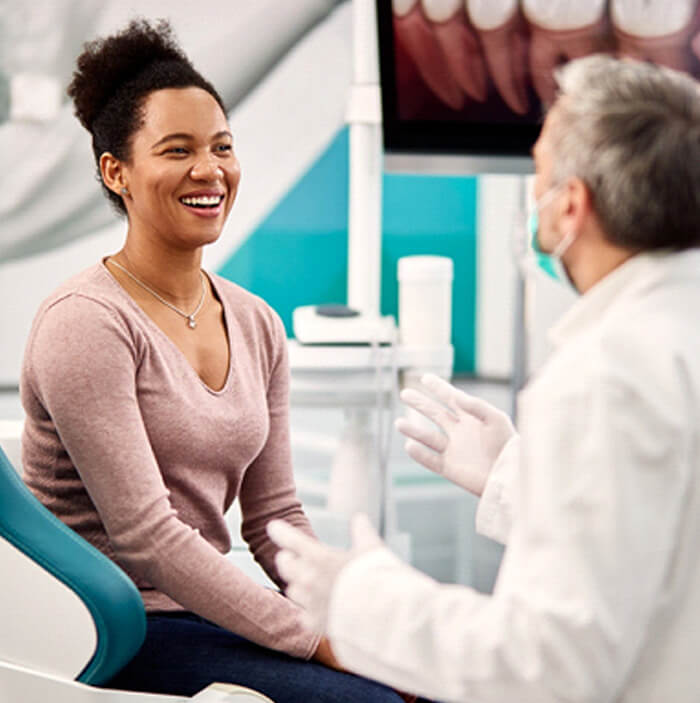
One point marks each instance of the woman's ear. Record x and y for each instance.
(113, 175)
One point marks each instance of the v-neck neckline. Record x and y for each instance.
(149, 320)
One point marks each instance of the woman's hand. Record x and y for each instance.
(324, 655)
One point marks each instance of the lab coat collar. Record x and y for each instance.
(628, 277)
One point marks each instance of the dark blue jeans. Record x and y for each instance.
(183, 653)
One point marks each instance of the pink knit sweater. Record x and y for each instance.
(129, 447)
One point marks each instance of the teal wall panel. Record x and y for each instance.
(434, 215)
(298, 254)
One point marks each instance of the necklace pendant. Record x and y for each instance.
(190, 322)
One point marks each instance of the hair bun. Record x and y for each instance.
(107, 64)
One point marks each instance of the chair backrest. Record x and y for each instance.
(65, 608)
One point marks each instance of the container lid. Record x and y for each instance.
(425, 268)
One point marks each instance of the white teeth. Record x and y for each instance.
(440, 10)
(203, 200)
(402, 7)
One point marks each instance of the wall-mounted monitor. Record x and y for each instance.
(464, 81)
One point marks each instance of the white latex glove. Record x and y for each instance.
(310, 567)
(473, 433)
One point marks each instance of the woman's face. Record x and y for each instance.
(183, 174)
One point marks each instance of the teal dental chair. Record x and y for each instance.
(69, 617)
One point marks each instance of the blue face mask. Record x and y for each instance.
(551, 264)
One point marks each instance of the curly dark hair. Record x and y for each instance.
(115, 75)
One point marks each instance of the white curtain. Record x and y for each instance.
(50, 193)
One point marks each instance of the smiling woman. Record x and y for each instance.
(156, 394)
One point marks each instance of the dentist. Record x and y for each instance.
(598, 498)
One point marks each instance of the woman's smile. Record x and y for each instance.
(204, 203)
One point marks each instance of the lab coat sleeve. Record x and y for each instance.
(600, 492)
(494, 514)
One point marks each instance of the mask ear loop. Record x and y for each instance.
(564, 244)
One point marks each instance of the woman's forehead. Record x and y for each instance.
(188, 110)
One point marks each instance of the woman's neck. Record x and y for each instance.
(173, 273)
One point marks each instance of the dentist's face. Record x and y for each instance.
(183, 174)
(544, 162)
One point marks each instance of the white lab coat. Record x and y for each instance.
(598, 596)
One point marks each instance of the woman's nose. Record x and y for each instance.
(206, 168)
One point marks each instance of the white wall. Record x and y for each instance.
(498, 210)
(25, 283)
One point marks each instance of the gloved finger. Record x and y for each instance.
(451, 396)
(290, 567)
(433, 439)
(364, 536)
(478, 407)
(288, 537)
(298, 595)
(425, 405)
(419, 453)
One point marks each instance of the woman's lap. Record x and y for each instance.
(183, 653)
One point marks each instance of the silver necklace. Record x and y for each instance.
(191, 323)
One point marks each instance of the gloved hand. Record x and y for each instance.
(473, 433)
(310, 568)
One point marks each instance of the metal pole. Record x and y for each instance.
(365, 162)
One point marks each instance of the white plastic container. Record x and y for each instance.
(425, 300)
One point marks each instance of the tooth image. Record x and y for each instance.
(503, 34)
(561, 30)
(459, 44)
(415, 33)
(650, 30)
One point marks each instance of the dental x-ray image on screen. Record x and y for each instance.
(472, 76)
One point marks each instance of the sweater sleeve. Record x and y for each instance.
(82, 363)
(268, 491)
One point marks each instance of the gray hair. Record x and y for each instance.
(631, 132)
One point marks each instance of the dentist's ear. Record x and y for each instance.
(112, 173)
(578, 206)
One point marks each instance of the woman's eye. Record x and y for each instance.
(176, 150)
(224, 147)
